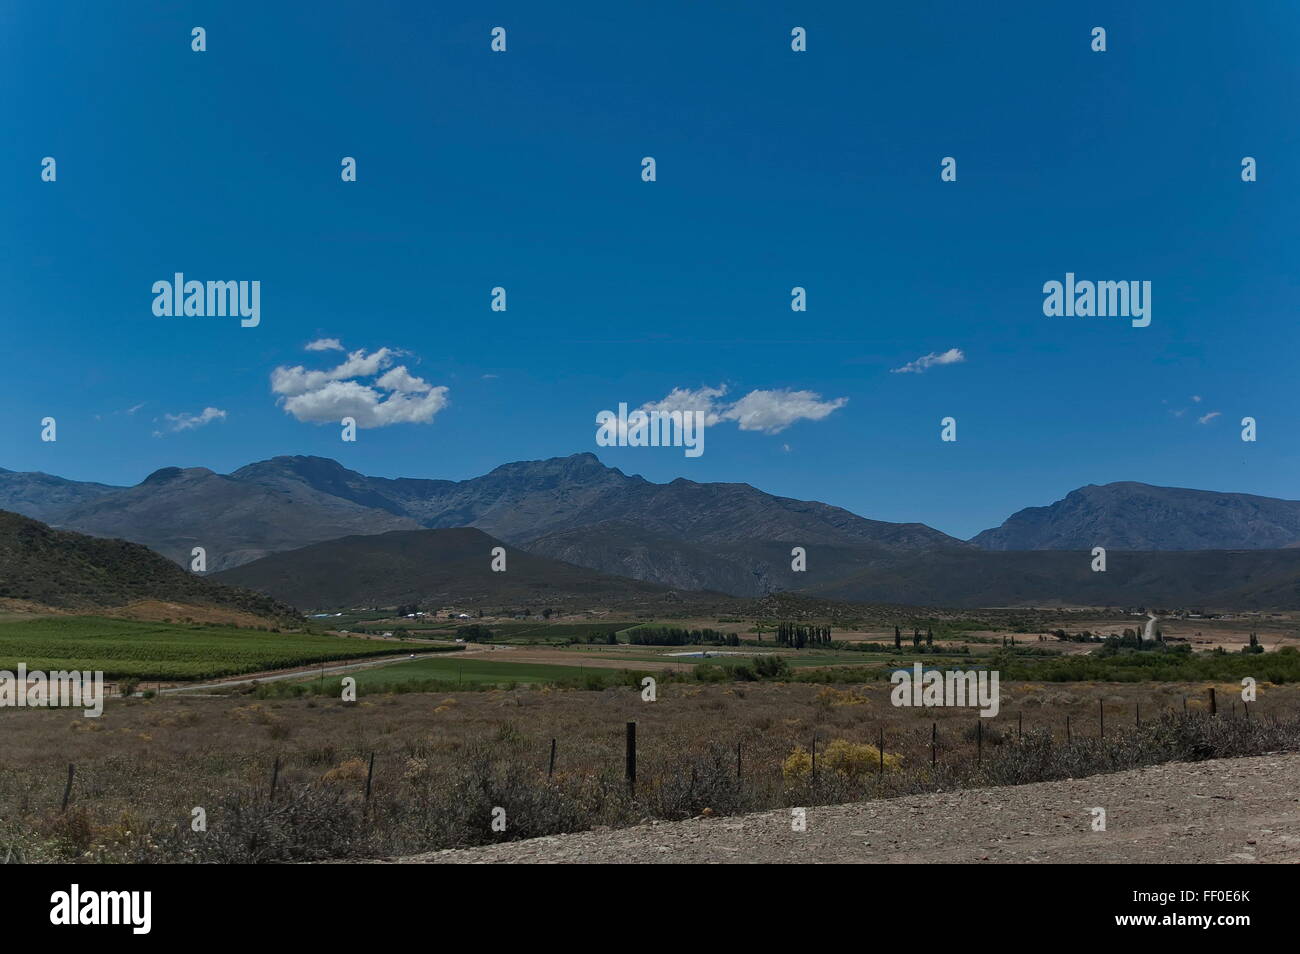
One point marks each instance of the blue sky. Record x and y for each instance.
(775, 169)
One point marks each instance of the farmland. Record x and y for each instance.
(124, 649)
(755, 725)
(454, 672)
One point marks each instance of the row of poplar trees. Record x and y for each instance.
(916, 637)
(788, 634)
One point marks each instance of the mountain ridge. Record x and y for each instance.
(1131, 515)
(686, 535)
(286, 502)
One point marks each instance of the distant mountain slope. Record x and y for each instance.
(70, 570)
(42, 496)
(173, 511)
(741, 567)
(1133, 516)
(1219, 579)
(430, 567)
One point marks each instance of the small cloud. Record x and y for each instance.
(1196, 399)
(132, 410)
(490, 377)
(685, 399)
(188, 422)
(769, 412)
(1208, 417)
(773, 411)
(394, 396)
(933, 359)
(325, 344)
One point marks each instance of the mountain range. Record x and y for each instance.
(727, 537)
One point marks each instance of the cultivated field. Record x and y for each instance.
(124, 649)
(281, 764)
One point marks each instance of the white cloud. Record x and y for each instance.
(187, 422)
(684, 399)
(769, 412)
(370, 408)
(399, 379)
(933, 359)
(395, 396)
(1196, 398)
(325, 344)
(1208, 417)
(298, 380)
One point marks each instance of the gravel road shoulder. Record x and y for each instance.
(1224, 811)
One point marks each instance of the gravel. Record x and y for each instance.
(1223, 811)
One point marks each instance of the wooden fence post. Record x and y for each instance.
(370, 774)
(67, 789)
(631, 758)
(1214, 704)
(275, 777)
(550, 769)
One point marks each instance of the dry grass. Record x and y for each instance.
(444, 760)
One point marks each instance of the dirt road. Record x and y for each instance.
(1224, 811)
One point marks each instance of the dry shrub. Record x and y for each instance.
(350, 770)
(830, 696)
(852, 761)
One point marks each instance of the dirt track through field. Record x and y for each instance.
(1223, 811)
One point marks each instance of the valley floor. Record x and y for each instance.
(1224, 811)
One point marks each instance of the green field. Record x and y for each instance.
(126, 649)
(467, 671)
